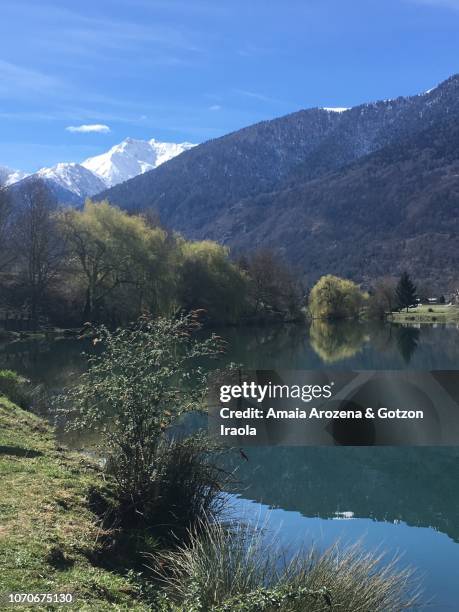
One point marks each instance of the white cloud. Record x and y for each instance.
(215, 107)
(91, 127)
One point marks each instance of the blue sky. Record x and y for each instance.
(196, 69)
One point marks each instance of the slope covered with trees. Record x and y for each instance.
(393, 210)
(329, 191)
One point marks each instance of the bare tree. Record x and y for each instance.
(382, 298)
(273, 285)
(6, 253)
(38, 243)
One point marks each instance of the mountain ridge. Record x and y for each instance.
(222, 189)
(72, 182)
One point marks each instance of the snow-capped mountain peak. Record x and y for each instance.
(73, 177)
(132, 157)
(122, 162)
(9, 176)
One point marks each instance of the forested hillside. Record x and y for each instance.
(363, 192)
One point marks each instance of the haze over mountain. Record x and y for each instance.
(72, 182)
(362, 192)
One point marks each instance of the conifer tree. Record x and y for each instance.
(405, 292)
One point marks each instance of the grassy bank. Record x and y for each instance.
(438, 313)
(48, 534)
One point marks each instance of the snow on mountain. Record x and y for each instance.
(73, 177)
(122, 162)
(335, 109)
(9, 176)
(132, 157)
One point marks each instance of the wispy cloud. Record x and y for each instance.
(215, 107)
(84, 35)
(255, 95)
(23, 81)
(89, 128)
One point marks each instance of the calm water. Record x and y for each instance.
(402, 500)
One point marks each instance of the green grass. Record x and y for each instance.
(435, 313)
(48, 534)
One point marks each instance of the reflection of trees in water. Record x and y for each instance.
(386, 484)
(407, 338)
(336, 341)
(382, 336)
(435, 347)
(267, 347)
(404, 338)
(54, 363)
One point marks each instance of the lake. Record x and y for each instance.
(403, 500)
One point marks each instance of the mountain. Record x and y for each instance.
(67, 183)
(195, 186)
(395, 209)
(132, 157)
(71, 183)
(9, 176)
(73, 178)
(362, 192)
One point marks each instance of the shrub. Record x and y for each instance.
(144, 378)
(237, 571)
(182, 487)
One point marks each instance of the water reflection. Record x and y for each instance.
(384, 484)
(53, 363)
(345, 345)
(336, 341)
(413, 485)
(407, 341)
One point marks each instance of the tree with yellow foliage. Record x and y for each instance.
(335, 298)
(111, 251)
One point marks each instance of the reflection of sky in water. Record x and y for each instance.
(434, 554)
